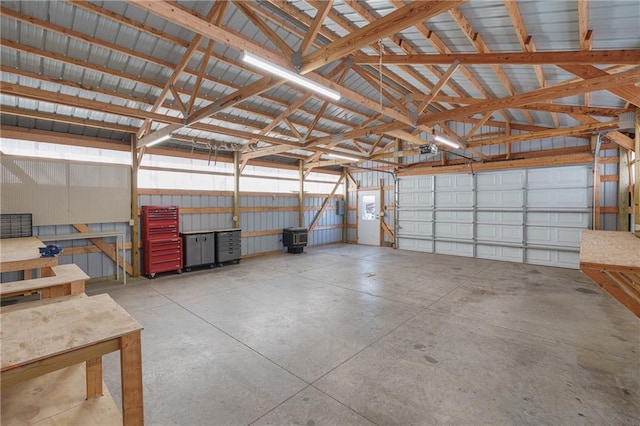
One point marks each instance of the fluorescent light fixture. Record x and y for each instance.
(342, 157)
(291, 76)
(445, 141)
(160, 139)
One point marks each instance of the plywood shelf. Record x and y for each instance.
(612, 260)
(57, 398)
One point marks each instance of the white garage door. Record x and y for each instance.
(532, 216)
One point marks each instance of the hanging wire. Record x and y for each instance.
(381, 46)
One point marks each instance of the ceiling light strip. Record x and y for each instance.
(292, 77)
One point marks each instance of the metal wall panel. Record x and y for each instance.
(81, 192)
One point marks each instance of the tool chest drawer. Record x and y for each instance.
(162, 256)
(160, 222)
(228, 245)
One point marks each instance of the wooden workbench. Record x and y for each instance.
(23, 254)
(612, 260)
(53, 336)
(65, 280)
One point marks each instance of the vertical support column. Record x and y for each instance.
(382, 212)
(623, 190)
(595, 141)
(131, 379)
(301, 196)
(637, 177)
(236, 189)
(345, 216)
(135, 230)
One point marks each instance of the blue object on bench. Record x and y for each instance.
(51, 250)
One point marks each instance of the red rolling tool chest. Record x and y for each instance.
(161, 242)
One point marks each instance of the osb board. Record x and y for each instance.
(610, 248)
(57, 398)
(34, 303)
(30, 335)
(63, 274)
(17, 249)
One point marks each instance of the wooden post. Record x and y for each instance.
(382, 212)
(637, 177)
(135, 230)
(131, 379)
(623, 190)
(596, 184)
(301, 195)
(236, 189)
(345, 216)
(94, 377)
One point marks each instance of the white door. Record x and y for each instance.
(369, 218)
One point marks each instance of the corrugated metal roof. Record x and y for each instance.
(129, 66)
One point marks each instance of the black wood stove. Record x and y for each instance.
(295, 239)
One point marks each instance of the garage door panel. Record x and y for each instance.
(567, 220)
(559, 198)
(507, 218)
(454, 182)
(454, 216)
(422, 183)
(567, 237)
(424, 229)
(416, 245)
(454, 248)
(546, 207)
(507, 254)
(499, 233)
(454, 230)
(415, 215)
(501, 199)
(561, 177)
(454, 199)
(556, 258)
(415, 199)
(511, 179)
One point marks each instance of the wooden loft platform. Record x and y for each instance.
(612, 260)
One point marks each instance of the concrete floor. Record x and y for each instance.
(355, 335)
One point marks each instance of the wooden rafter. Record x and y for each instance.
(390, 24)
(628, 57)
(170, 12)
(438, 44)
(480, 123)
(205, 60)
(558, 108)
(567, 89)
(400, 42)
(318, 20)
(178, 100)
(629, 92)
(246, 8)
(617, 137)
(583, 25)
(605, 82)
(439, 85)
(177, 71)
(528, 45)
(551, 133)
(478, 42)
(127, 97)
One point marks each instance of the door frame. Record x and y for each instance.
(377, 219)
